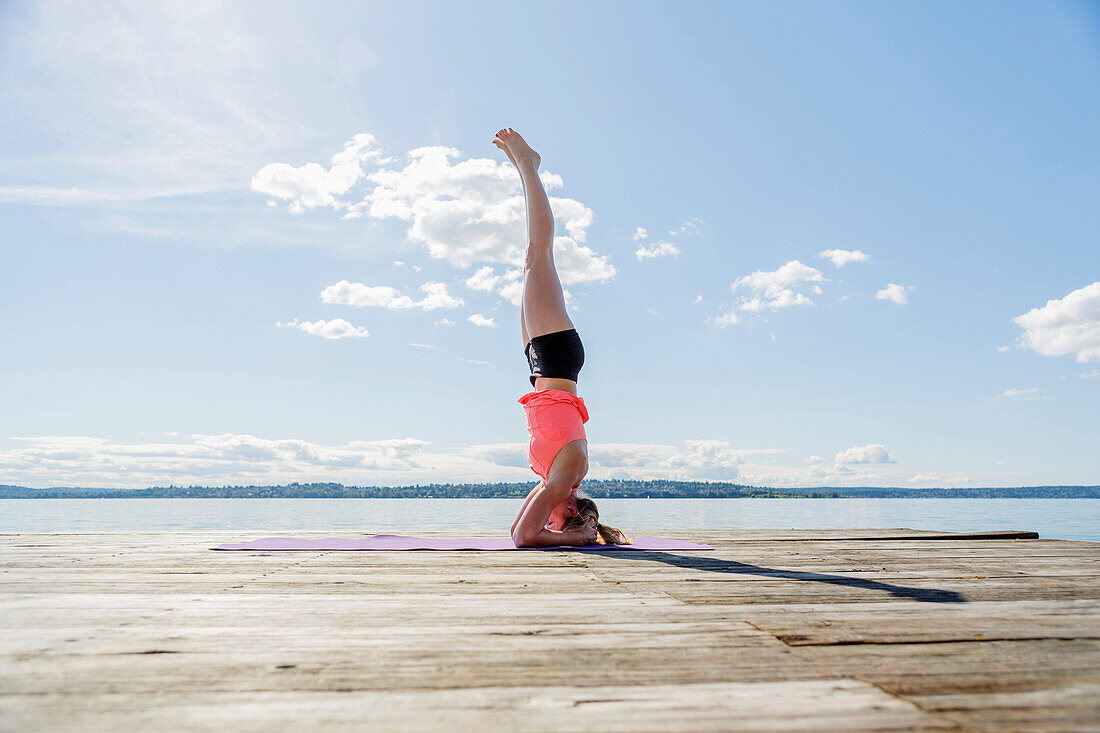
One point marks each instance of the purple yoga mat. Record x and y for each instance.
(397, 542)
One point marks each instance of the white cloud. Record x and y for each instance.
(444, 322)
(640, 234)
(501, 454)
(337, 328)
(895, 293)
(723, 320)
(1003, 349)
(698, 298)
(871, 453)
(397, 263)
(658, 249)
(209, 459)
(687, 228)
(1030, 393)
(508, 285)
(841, 257)
(433, 347)
(695, 459)
(312, 185)
(1091, 374)
(476, 361)
(473, 211)
(774, 289)
(464, 212)
(483, 279)
(1070, 325)
(479, 320)
(383, 296)
(715, 459)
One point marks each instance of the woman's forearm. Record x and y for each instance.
(523, 508)
(553, 538)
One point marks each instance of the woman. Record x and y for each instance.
(554, 513)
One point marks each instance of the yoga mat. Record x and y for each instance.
(398, 542)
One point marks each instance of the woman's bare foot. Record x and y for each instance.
(512, 143)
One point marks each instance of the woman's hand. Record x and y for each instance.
(589, 533)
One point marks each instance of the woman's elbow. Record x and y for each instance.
(523, 539)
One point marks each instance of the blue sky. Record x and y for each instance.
(256, 243)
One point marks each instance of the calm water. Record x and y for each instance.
(1068, 519)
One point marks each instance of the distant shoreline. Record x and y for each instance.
(599, 489)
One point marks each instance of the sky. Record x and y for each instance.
(804, 244)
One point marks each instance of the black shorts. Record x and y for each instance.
(558, 355)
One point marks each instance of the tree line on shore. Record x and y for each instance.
(602, 488)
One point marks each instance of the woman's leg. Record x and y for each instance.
(543, 304)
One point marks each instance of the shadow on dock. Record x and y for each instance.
(715, 565)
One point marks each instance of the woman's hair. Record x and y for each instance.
(587, 512)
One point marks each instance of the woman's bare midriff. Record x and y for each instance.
(565, 385)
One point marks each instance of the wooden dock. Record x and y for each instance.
(775, 630)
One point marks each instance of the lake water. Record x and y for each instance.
(1067, 519)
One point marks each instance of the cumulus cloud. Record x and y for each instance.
(658, 249)
(508, 285)
(337, 328)
(462, 211)
(383, 296)
(444, 322)
(479, 320)
(773, 290)
(895, 293)
(841, 257)
(1030, 393)
(871, 453)
(1091, 374)
(640, 234)
(1070, 325)
(715, 459)
(313, 185)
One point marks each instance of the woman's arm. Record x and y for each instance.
(523, 508)
(530, 530)
(553, 538)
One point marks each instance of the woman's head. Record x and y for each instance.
(563, 513)
(586, 513)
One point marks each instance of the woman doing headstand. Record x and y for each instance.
(555, 512)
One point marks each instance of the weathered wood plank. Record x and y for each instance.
(786, 706)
